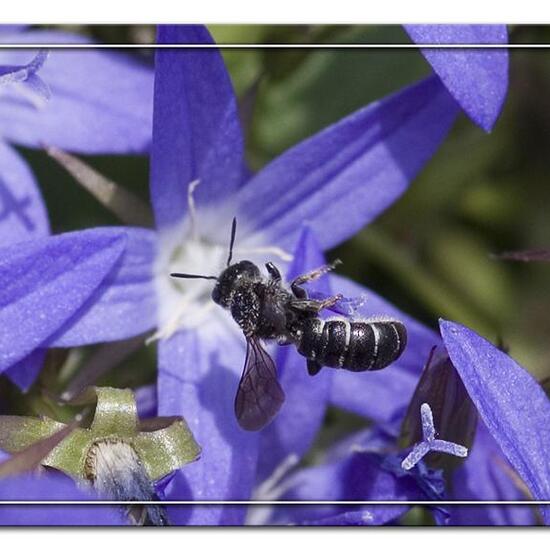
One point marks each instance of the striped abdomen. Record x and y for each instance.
(351, 345)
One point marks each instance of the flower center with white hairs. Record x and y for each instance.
(186, 303)
(190, 248)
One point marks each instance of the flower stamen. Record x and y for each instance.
(192, 209)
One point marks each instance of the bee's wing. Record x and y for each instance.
(259, 396)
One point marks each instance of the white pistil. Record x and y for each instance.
(430, 443)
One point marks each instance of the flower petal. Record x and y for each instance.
(382, 395)
(343, 177)
(44, 283)
(375, 514)
(477, 79)
(125, 303)
(10, 29)
(513, 406)
(146, 400)
(24, 373)
(487, 475)
(300, 418)
(52, 486)
(196, 133)
(357, 476)
(198, 377)
(23, 214)
(101, 101)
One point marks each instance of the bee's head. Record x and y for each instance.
(229, 277)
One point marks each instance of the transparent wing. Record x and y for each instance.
(259, 396)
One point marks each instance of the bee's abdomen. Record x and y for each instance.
(352, 345)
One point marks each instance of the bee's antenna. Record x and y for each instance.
(232, 241)
(190, 276)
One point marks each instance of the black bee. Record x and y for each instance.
(265, 310)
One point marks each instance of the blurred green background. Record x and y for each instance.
(430, 253)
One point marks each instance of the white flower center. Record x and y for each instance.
(186, 248)
(186, 303)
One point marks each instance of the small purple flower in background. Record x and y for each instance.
(476, 78)
(93, 102)
(100, 100)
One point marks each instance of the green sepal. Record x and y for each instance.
(115, 413)
(163, 444)
(167, 448)
(18, 432)
(70, 454)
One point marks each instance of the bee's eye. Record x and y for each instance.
(216, 294)
(248, 268)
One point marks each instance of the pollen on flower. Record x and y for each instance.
(185, 303)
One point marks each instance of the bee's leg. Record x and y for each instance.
(273, 271)
(329, 302)
(310, 276)
(313, 367)
(315, 306)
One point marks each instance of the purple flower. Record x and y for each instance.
(511, 403)
(356, 469)
(45, 283)
(508, 459)
(309, 199)
(368, 467)
(86, 101)
(476, 78)
(99, 101)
